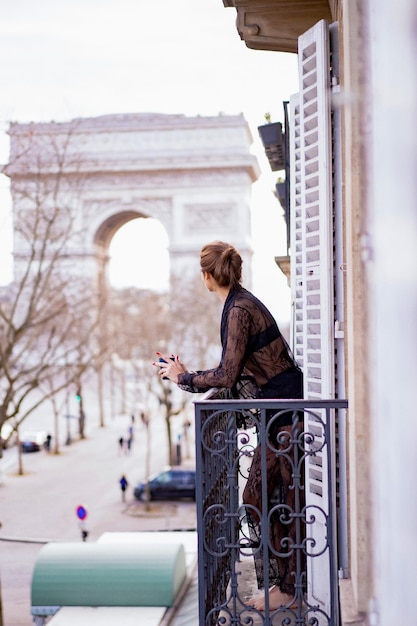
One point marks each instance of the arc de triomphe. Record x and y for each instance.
(194, 174)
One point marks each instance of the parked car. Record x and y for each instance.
(32, 441)
(174, 483)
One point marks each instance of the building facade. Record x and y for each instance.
(353, 158)
(193, 174)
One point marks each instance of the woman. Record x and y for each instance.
(252, 341)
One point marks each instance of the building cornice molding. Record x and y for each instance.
(276, 24)
(136, 142)
(130, 122)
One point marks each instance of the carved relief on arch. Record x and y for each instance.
(208, 217)
(170, 179)
(158, 208)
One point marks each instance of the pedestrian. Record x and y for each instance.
(121, 444)
(47, 443)
(251, 341)
(83, 529)
(129, 444)
(123, 486)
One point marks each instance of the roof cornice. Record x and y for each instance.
(277, 24)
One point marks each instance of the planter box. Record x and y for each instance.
(273, 141)
(281, 193)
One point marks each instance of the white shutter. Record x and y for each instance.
(312, 277)
(316, 211)
(297, 233)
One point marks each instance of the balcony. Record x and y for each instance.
(290, 530)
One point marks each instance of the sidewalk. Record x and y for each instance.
(41, 505)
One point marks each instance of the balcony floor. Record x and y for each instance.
(248, 588)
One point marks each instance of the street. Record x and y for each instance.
(40, 506)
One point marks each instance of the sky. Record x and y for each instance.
(61, 60)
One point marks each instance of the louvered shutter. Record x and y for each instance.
(312, 276)
(315, 213)
(297, 233)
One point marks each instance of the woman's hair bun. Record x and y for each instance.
(223, 262)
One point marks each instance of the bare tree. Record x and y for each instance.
(194, 331)
(143, 322)
(47, 318)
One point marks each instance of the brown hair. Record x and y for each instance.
(223, 262)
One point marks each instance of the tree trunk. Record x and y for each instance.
(19, 454)
(81, 419)
(1, 608)
(169, 437)
(56, 433)
(100, 393)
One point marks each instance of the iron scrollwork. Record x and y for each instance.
(272, 537)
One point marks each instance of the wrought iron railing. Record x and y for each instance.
(278, 526)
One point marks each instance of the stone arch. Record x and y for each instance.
(108, 223)
(109, 217)
(110, 226)
(193, 174)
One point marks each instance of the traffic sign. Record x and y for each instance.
(81, 512)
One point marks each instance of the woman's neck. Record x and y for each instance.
(222, 293)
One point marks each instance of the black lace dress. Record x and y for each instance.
(251, 340)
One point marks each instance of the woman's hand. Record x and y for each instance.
(169, 366)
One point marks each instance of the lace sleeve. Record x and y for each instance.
(233, 355)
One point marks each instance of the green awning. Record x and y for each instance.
(96, 574)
